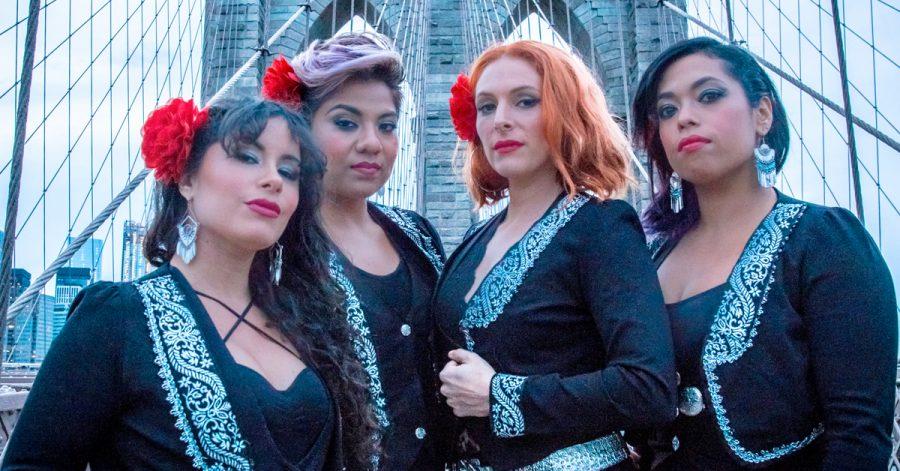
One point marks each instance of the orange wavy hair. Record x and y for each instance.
(588, 148)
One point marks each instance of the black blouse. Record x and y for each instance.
(572, 320)
(394, 326)
(795, 356)
(140, 379)
(299, 418)
(697, 437)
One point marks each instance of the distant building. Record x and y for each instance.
(30, 332)
(134, 265)
(90, 256)
(69, 281)
(21, 280)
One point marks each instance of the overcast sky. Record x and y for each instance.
(125, 62)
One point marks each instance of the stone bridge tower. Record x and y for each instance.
(617, 38)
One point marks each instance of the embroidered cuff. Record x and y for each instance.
(507, 420)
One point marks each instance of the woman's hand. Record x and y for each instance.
(466, 384)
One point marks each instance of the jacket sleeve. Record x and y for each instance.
(75, 396)
(849, 312)
(636, 388)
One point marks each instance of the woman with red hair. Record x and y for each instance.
(549, 313)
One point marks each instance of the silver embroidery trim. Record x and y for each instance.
(507, 420)
(739, 315)
(422, 240)
(362, 342)
(474, 227)
(504, 279)
(199, 401)
(594, 455)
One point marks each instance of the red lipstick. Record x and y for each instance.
(264, 207)
(692, 143)
(507, 146)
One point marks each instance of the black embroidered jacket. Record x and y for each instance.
(802, 349)
(573, 321)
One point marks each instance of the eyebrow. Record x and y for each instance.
(261, 147)
(357, 112)
(345, 108)
(697, 84)
(514, 90)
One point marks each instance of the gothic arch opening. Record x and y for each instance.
(341, 12)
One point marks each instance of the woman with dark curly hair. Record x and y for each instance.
(235, 353)
(783, 312)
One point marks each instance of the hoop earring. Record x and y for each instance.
(676, 201)
(765, 165)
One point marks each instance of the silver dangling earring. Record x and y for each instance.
(675, 193)
(765, 165)
(275, 264)
(187, 238)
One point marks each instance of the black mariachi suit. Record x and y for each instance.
(395, 347)
(139, 378)
(573, 321)
(795, 355)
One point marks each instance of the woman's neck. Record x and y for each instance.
(529, 198)
(726, 204)
(219, 269)
(340, 215)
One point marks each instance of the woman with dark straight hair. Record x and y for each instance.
(783, 312)
(235, 353)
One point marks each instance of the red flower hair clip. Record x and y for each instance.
(168, 136)
(462, 109)
(281, 84)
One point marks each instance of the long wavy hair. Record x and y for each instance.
(659, 219)
(307, 305)
(588, 148)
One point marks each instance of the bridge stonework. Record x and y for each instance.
(617, 39)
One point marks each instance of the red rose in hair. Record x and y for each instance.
(168, 136)
(281, 84)
(462, 109)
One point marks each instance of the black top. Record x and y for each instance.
(299, 418)
(140, 379)
(386, 299)
(795, 356)
(699, 444)
(395, 329)
(572, 320)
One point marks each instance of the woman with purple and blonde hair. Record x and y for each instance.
(386, 260)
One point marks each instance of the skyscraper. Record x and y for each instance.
(89, 256)
(69, 281)
(134, 265)
(21, 280)
(30, 332)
